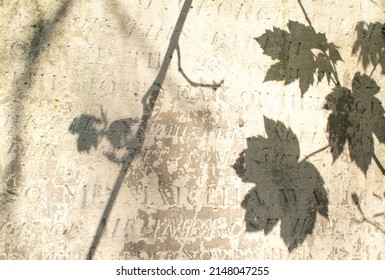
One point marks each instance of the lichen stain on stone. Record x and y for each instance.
(136, 248)
(202, 118)
(193, 229)
(217, 242)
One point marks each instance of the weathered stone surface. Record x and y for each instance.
(192, 129)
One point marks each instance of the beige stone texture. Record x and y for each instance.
(224, 129)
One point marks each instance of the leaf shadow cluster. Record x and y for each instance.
(92, 130)
(286, 190)
(356, 114)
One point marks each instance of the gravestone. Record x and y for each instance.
(192, 129)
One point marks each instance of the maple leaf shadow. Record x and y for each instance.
(286, 190)
(370, 44)
(302, 53)
(92, 130)
(85, 126)
(356, 115)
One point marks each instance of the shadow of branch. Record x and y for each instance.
(364, 218)
(135, 145)
(42, 33)
(214, 85)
